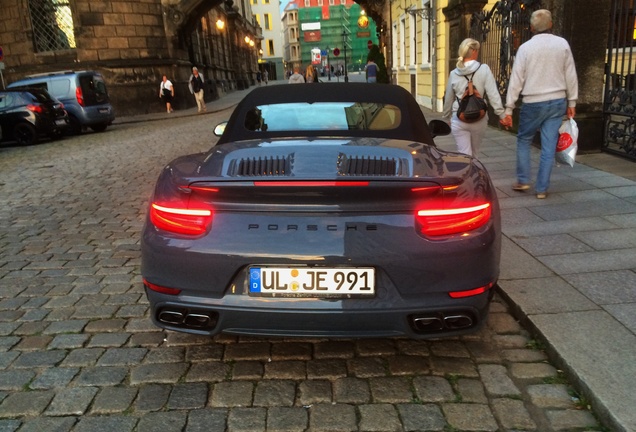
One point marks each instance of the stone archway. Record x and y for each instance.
(179, 16)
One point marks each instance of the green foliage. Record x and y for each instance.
(376, 55)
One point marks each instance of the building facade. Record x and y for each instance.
(291, 36)
(326, 32)
(268, 17)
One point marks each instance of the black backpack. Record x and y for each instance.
(472, 106)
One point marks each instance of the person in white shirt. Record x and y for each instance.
(296, 77)
(166, 91)
(468, 136)
(545, 75)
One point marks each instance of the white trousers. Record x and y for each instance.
(200, 100)
(468, 136)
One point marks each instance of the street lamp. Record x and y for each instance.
(328, 65)
(344, 42)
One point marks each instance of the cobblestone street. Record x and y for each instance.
(78, 351)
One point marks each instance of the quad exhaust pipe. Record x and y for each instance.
(188, 318)
(431, 323)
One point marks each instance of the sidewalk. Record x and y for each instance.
(568, 268)
(568, 263)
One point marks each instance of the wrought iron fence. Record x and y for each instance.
(619, 104)
(501, 31)
(52, 24)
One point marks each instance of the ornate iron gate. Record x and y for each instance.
(501, 31)
(619, 104)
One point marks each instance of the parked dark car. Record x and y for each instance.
(323, 211)
(27, 114)
(83, 93)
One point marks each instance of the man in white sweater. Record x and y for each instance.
(545, 75)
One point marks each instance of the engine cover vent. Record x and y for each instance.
(273, 166)
(368, 166)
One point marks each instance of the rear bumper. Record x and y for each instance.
(429, 317)
(51, 125)
(92, 115)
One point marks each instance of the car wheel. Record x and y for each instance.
(75, 126)
(99, 127)
(24, 134)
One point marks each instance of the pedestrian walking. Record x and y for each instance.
(166, 92)
(296, 77)
(265, 76)
(371, 71)
(195, 84)
(258, 77)
(468, 136)
(310, 74)
(544, 73)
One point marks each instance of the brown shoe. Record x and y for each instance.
(542, 195)
(520, 187)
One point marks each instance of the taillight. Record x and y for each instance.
(180, 220)
(446, 221)
(161, 289)
(79, 96)
(35, 108)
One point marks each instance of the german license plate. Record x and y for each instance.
(311, 282)
(104, 110)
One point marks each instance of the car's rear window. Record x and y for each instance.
(37, 96)
(94, 89)
(6, 99)
(323, 116)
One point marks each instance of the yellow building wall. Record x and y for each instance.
(430, 79)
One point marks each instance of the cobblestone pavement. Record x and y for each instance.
(79, 353)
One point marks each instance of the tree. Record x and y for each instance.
(378, 58)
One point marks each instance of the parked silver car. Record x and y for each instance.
(83, 94)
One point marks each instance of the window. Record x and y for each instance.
(402, 42)
(624, 25)
(52, 23)
(319, 2)
(258, 19)
(412, 44)
(307, 3)
(332, 2)
(268, 21)
(265, 1)
(394, 48)
(427, 36)
(325, 116)
(270, 48)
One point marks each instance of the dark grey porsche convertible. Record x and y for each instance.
(323, 211)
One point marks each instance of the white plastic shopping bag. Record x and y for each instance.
(567, 145)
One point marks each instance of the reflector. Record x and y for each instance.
(472, 292)
(163, 290)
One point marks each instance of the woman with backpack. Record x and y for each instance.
(469, 127)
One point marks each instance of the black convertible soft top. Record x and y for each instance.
(412, 127)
